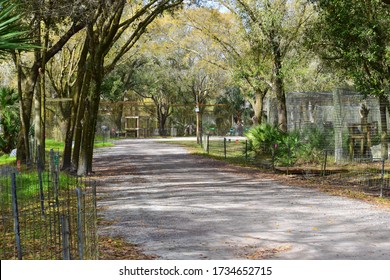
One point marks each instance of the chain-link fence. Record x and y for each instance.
(47, 214)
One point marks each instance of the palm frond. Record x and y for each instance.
(12, 32)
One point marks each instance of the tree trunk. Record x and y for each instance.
(258, 106)
(67, 154)
(38, 124)
(88, 135)
(23, 147)
(40, 98)
(90, 118)
(81, 86)
(279, 87)
(79, 115)
(80, 123)
(118, 116)
(162, 119)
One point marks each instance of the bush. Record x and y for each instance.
(9, 119)
(288, 150)
(270, 141)
(263, 139)
(314, 142)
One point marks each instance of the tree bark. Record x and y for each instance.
(118, 112)
(89, 128)
(258, 105)
(78, 125)
(279, 88)
(82, 83)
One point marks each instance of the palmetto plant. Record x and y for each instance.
(9, 119)
(264, 138)
(12, 34)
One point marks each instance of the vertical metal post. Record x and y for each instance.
(224, 147)
(325, 163)
(208, 144)
(246, 150)
(289, 158)
(39, 167)
(51, 159)
(382, 177)
(80, 236)
(16, 216)
(95, 236)
(197, 110)
(273, 158)
(65, 238)
(56, 176)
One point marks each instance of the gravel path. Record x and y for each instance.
(179, 206)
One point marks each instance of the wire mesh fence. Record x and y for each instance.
(47, 215)
(226, 147)
(371, 176)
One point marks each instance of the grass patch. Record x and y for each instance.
(53, 144)
(235, 151)
(57, 146)
(29, 187)
(103, 144)
(6, 160)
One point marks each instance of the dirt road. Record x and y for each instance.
(179, 206)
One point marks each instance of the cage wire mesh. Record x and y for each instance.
(55, 216)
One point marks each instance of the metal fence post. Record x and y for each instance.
(273, 157)
(65, 238)
(224, 147)
(16, 216)
(95, 236)
(382, 177)
(56, 177)
(208, 143)
(325, 163)
(39, 167)
(51, 160)
(246, 150)
(80, 235)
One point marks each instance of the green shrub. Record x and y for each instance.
(268, 140)
(288, 150)
(263, 139)
(313, 143)
(9, 119)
